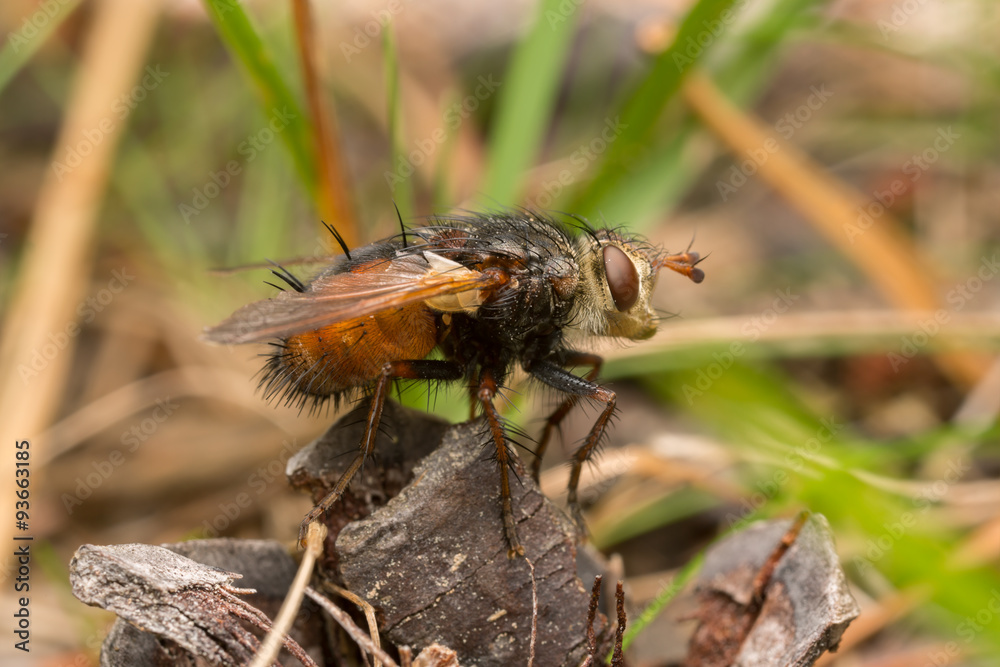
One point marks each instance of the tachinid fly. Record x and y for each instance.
(489, 292)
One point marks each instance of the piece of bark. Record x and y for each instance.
(802, 610)
(405, 437)
(434, 561)
(182, 610)
(268, 569)
(127, 645)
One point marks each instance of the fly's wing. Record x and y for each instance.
(365, 290)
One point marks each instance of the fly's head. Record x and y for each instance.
(617, 277)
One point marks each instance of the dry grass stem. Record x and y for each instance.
(290, 607)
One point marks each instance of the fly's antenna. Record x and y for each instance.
(340, 239)
(402, 227)
(685, 263)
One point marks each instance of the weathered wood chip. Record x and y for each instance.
(788, 617)
(434, 561)
(179, 609)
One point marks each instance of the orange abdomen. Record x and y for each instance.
(351, 354)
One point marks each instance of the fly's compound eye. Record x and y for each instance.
(623, 279)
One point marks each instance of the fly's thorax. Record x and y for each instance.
(615, 289)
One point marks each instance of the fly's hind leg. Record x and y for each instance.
(504, 457)
(555, 419)
(424, 369)
(561, 379)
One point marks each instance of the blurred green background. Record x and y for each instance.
(836, 161)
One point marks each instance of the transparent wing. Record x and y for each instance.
(368, 289)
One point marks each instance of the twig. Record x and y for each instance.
(595, 597)
(763, 576)
(365, 607)
(290, 607)
(618, 657)
(534, 613)
(356, 633)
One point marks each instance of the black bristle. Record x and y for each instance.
(402, 227)
(287, 277)
(340, 239)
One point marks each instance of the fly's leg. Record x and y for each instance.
(504, 456)
(561, 379)
(430, 369)
(570, 359)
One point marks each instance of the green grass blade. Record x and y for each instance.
(645, 105)
(741, 71)
(25, 41)
(246, 46)
(527, 96)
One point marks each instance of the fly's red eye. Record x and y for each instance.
(623, 280)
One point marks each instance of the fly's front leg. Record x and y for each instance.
(561, 379)
(410, 370)
(504, 457)
(569, 359)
